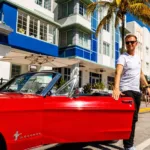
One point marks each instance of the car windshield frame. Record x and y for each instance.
(53, 75)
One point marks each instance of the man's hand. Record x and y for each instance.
(148, 91)
(116, 93)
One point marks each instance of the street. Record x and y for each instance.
(142, 139)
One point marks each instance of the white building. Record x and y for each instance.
(143, 49)
(62, 28)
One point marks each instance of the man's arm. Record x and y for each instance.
(144, 82)
(143, 79)
(116, 91)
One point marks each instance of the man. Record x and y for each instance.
(127, 81)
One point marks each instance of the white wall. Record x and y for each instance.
(30, 5)
(24, 68)
(143, 36)
(5, 70)
(108, 37)
(85, 76)
(4, 49)
(146, 54)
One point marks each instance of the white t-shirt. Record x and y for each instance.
(130, 78)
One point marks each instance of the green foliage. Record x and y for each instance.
(110, 85)
(118, 9)
(87, 88)
(60, 83)
(99, 86)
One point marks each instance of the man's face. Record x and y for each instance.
(131, 43)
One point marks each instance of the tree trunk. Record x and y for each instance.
(123, 29)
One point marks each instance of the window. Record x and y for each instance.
(22, 23)
(30, 83)
(39, 2)
(106, 27)
(68, 87)
(80, 78)
(83, 39)
(66, 74)
(44, 3)
(69, 37)
(105, 48)
(63, 38)
(51, 34)
(147, 50)
(95, 78)
(57, 70)
(82, 9)
(47, 4)
(33, 27)
(46, 31)
(16, 70)
(70, 7)
(43, 31)
(147, 66)
(67, 8)
(110, 82)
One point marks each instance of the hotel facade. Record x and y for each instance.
(61, 28)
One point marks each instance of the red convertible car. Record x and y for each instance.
(35, 112)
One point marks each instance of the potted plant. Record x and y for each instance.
(87, 88)
(99, 86)
(21, 30)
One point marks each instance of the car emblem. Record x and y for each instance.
(16, 135)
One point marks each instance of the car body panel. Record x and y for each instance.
(87, 119)
(21, 114)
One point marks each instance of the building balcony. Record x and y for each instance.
(33, 7)
(75, 19)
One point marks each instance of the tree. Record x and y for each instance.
(138, 8)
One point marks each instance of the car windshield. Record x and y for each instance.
(33, 83)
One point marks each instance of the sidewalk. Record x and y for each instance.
(143, 108)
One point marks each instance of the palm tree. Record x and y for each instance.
(138, 8)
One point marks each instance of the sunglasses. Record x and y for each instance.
(128, 42)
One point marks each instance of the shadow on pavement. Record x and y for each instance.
(74, 146)
(81, 146)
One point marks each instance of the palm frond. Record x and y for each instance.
(136, 1)
(139, 9)
(145, 19)
(90, 8)
(118, 18)
(104, 21)
(118, 2)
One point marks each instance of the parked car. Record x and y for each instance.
(34, 112)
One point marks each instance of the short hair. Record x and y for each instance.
(130, 35)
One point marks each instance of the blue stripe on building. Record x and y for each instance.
(117, 50)
(81, 52)
(94, 22)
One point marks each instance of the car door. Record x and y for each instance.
(87, 118)
(22, 116)
(100, 118)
